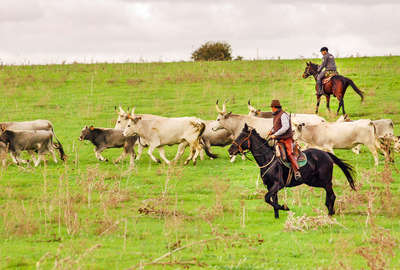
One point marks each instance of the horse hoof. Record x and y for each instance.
(285, 207)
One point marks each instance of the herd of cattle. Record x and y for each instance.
(153, 131)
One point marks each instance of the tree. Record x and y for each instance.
(213, 51)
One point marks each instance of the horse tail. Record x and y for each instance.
(353, 85)
(347, 169)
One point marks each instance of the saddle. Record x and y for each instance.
(328, 76)
(282, 154)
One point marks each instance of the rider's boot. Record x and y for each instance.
(320, 88)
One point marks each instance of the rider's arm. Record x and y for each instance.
(285, 125)
(324, 63)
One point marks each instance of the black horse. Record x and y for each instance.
(316, 173)
(336, 86)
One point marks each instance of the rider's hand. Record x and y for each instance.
(272, 137)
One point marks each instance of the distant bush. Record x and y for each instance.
(213, 51)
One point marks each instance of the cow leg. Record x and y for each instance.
(195, 155)
(37, 162)
(150, 152)
(356, 149)
(20, 160)
(14, 158)
(161, 150)
(140, 150)
(32, 154)
(132, 159)
(181, 150)
(53, 154)
(233, 158)
(121, 157)
(374, 152)
(191, 155)
(97, 152)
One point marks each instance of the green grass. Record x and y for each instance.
(86, 213)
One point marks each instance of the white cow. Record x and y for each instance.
(335, 135)
(384, 129)
(310, 119)
(168, 131)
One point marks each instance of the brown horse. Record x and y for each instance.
(336, 86)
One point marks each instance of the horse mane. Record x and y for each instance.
(313, 65)
(264, 141)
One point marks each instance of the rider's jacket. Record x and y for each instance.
(282, 128)
(328, 62)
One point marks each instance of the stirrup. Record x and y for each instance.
(297, 176)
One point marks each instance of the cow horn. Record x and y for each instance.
(133, 111)
(248, 102)
(224, 106)
(121, 110)
(217, 108)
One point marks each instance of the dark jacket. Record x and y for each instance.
(328, 62)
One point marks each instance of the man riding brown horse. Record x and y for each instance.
(328, 63)
(282, 132)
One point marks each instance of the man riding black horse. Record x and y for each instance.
(282, 132)
(328, 62)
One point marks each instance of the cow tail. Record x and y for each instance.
(346, 168)
(206, 149)
(201, 127)
(60, 149)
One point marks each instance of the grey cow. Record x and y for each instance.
(40, 141)
(104, 138)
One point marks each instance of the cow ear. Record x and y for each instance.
(227, 115)
(91, 128)
(3, 128)
(246, 127)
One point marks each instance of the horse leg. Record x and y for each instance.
(330, 199)
(342, 100)
(271, 194)
(340, 105)
(281, 207)
(317, 106)
(328, 98)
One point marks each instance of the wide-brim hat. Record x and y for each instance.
(275, 103)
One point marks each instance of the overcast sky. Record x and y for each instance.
(52, 31)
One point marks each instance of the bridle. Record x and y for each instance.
(239, 145)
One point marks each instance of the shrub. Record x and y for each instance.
(213, 51)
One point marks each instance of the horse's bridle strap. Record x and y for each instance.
(245, 139)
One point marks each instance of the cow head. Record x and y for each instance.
(122, 119)
(252, 111)
(132, 126)
(86, 132)
(222, 116)
(297, 127)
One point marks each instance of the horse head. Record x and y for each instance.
(311, 69)
(244, 141)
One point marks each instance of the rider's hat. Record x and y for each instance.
(275, 103)
(324, 49)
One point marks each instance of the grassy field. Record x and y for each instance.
(91, 215)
